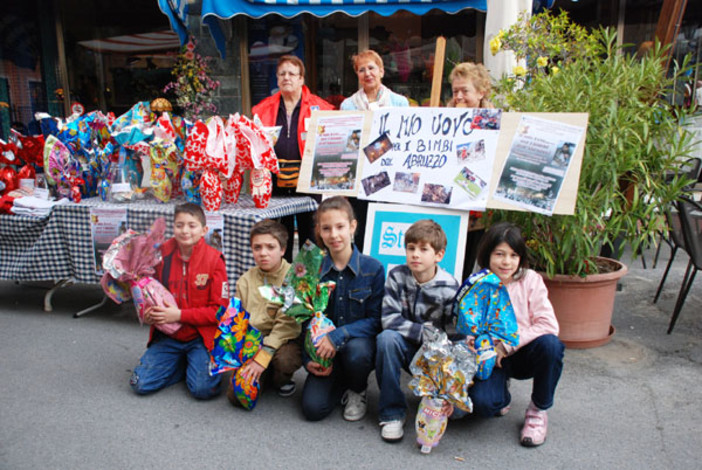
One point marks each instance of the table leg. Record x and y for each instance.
(47, 297)
(90, 309)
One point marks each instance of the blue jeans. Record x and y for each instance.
(350, 371)
(542, 360)
(167, 361)
(394, 354)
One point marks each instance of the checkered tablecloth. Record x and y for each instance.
(61, 246)
(31, 249)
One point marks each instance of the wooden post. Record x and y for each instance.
(439, 57)
(668, 25)
(242, 32)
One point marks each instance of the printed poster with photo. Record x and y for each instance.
(387, 224)
(106, 224)
(215, 230)
(337, 144)
(538, 161)
(438, 157)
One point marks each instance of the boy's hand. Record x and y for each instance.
(148, 319)
(160, 315)
(316, 369)
(251, 371)
(501, 353)
(325, 348)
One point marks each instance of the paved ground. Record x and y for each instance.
(66, 403)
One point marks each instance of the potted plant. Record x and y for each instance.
(634, 139)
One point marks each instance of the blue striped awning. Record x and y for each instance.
(215, 10)
(225, 9)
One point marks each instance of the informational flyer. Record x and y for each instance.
(106, 224)
(538, 161)
(438, 157)
(337, 144)
(215, 230)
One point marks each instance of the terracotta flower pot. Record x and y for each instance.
(584, 306)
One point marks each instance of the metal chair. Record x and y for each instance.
(690, 213)
(690, 168)
(676, 241)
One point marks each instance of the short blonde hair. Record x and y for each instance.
(476, 73)
(366, 55)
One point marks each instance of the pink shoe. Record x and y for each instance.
(535, 427)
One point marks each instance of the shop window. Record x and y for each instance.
(336, 42)
(269, 38)
(117, 53)
(5, 106)
(405, 41)
(407, 44)
(20, 64)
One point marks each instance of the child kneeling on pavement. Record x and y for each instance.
(280, 354)
(539, 354)
(196, 275)
(416, 294)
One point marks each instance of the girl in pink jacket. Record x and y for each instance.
(539, 354)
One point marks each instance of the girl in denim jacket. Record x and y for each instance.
(354, 307)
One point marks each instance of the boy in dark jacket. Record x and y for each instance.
(196, 275)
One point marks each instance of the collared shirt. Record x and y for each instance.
(355, 304)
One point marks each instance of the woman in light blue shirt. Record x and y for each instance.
(373, 94)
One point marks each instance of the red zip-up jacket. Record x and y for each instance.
(199, 286)
(267, 110)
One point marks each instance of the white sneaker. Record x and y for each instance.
(354, 405)
(392, 431)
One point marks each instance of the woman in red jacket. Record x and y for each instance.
(291, 108)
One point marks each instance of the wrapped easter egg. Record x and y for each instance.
(430, 423)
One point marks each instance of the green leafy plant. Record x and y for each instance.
(634, 140)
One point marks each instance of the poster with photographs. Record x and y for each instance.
(438, 157)
(537, 164)
(106, 224)
(215, 230)
(337, 144)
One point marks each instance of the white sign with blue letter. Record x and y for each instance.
(387, 224)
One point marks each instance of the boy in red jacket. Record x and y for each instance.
(195, 274)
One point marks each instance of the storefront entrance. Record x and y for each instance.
(405, 41)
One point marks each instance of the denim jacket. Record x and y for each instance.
(356, 302)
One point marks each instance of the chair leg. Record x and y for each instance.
(665, 273)
(684, 289)
(658, 252)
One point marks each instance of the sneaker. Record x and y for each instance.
(535, 427)
(288, 389)
(392, 431)
(354, 405)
